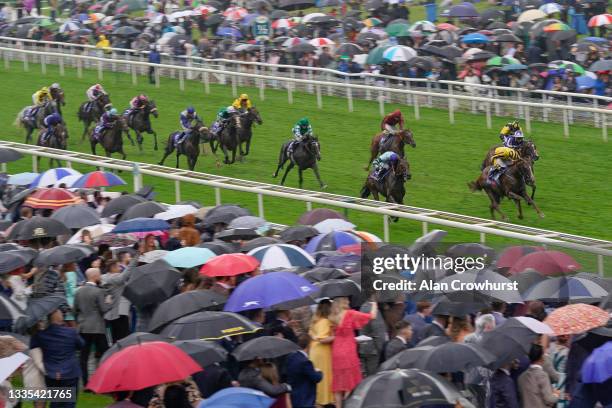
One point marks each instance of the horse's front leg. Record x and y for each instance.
(85, 129)
(234, 150)
(315, 169)
(155, 147)
(533, 190)
(529, 201)
(289, 167)
(177, 158)
(248, 146)
(93, 148)
(495, 204)
(167, 152)
(129, 137)
(139, 140)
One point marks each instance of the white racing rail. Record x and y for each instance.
(554, 106)
(597, 247)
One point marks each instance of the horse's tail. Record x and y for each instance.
(474, 186)
(365, 191)
(19, 118)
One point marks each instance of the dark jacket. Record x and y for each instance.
(251, 378)
(303, 379)
(431, 330)
(503, 391)
(212, 379)
(393, 347)
(59, 345)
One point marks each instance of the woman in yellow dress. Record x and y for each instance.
(321, 332)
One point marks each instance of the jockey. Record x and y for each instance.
(223, 116)
(93, 93)
(186, 118)
(512, 135)
(382, 164)
(392, 123)
(137, 102)
(53, 86)
(243, 103)
(301, 130)
(49, 123)
(107, 121)
(39, 98)
(503, 158)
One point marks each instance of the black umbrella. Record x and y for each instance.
(264, 347)
(426, 245)
(302, 48)
(423, 63)
(568, 35)
(223, 214)
(209, 326)
(406, 389)
(278, 14)
(491, 14)
(151, 283)
(143, 210)
(508, 37)
(295, 4)
(527, 279)
(9, 246)
(505, 293)
(236, 234)
(9, 310)
(338, 288)
(373, 4)
(9, 155)
(349, 49)
(27, 20)
(220, 247)
(601, 65)
(38, 309)
(184, 304)
(298, 233)
(433, 341)
(192, 203)
(453, 357)
(19, 197)
(122, 203)
(203, 352)
(443, 305)
(259, 242)
(509, 341)
(326, 19)
(126, 31)
(130, 340)
(39, 227)
(366, 37)
(351, 23)
(320, 274)
(60, 255)
(11, 260)
(404, 359)
(77, 216)
(496, 25)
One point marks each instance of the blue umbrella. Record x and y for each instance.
(265, 291)
(229, 32)
(52, 176)
(237, 397)
(596, 40)
(475, 38)
(331, 241)
(585, 82)
(282, 256)
(98, 179)
(22, 179)
(598, 367)
(188, 257)
(463, 10)
(514, 67)
(141, 225)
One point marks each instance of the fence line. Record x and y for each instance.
(349, 90)
(599, 248)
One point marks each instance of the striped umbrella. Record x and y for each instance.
(50, 177)
(321, 42)
(399, 53)
(235, 13)
(98, 179)
(554, 27)
(575, 319)
(51, 198)
(423, 26)
(282, 23)
(333, 224)
(600, 20)
(282, 256)
(203, 10)
(372, 22)
(564, 289)
(366, 236)
(293, 41)
(331, 241)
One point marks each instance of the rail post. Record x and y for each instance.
(544, 110)
(600, 265)
(262, 89)
(565, 123)
(528, 119)
(7, 62)
(429, 97)
(604, 127)
(206, 79)
(349, 95)
(100, 70)
(79, 66)
(483, 238)
(157, 82)
(595, 115)
(385, 228)
(451, 108)
(182, 80)
(425, 227)
(217, 196)
(290, 93)
(137, 176)
(43, 64)
(260, 205)
(177, 190)
(319, 96)
(570, 102)
(234, 87)
(381, 103)
(34, 164)
(61, 66)
(134, 75)
(308, 206)
(488, 115)
(417, 111)
(26, 66)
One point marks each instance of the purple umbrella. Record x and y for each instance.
(463, 10)
(598, 367)
(229, 32)
(331, 241)
(265, 291)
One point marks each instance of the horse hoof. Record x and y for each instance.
(541, 215)
(520, 217)
(324, 186)
(155, 148)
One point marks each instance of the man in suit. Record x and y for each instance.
(302, 376)
(90, 305)
(113, 281)
(534, 384)
(503, 389)
(436, 328)
(419, 319)
(279, 324)
(401, 341)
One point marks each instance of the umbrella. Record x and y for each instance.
(282, 23)
(120, 204)
(235, 13)
(141, 225)
(453, 357)
(219, 247)
(321, 42)
(236, 234)
(405, 388)
(77, 216)
(577, 318)
(565, 289)
(368, 36)
(398, 29)
(152, 283)
(51, 198)
(527, 279)
(470, 250)
(152, 256)
(229, 32)
(445, 306)
(584, 47)
(293, 41)
(140, 366)
(585, 82)
(209, 326)
(324, 19)
(317, 215)
(238, 397)
(98, 179)
(531, 15)
(597, 368)
(9, 155)
(188, 257)
(601, 65)
(511, 255)
(475, 38)
(424, 63)
(338, 288)
(282, 256)
(427, 243)
(320, 274)
(130, 340)
(229, 265)
(406, 358)
(176, 211)
(203, 352)
(184, 304)
(556, 27)
(14, 259)
(126, 31)
(473, 278)
(258, 243)
(39, 227)
(331, 241)
(60, 255)
(463, 10)
(69, 26)
(333, 224)
(146, 209)
(507, 37)
(550, 8)
(247, 222)
(9, 310)
(224, 214)
(546, 262)
(265, 291)
(39, 308)
(600, 20)
(22, 179)
(302, 48)
(433, 341)
(264, 347)
(501, 61)
(372, 22)
(349, 49)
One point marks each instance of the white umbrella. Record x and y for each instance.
(535, 325)
(333, 224)
(9, 365)
(94, 230)
(50, 177)
(399, 53)
(550, 8)
(68, 180)
(176, 211)
(310, 16)
(69, 26)
(160, 18)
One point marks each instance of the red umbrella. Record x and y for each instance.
(229, 265)
(512, 254)
(546, 262)
(52, 198)
(577, 318)
(141, 366)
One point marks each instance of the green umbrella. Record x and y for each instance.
(376, 55)
(395, 29)
(501, 61)
(572, 66)
(45, 23)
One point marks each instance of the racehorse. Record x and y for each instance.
(190, 147)
(46, 109)
(58, 139)
(392, 187)
(228, 139)
(93, 115)
(512, 184)
(110, 139)
(57, 95)
(527, 150)
(247, 120)
(305, 155)
(395, 144)
(140, 121)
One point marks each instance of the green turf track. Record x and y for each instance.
(573, 174)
